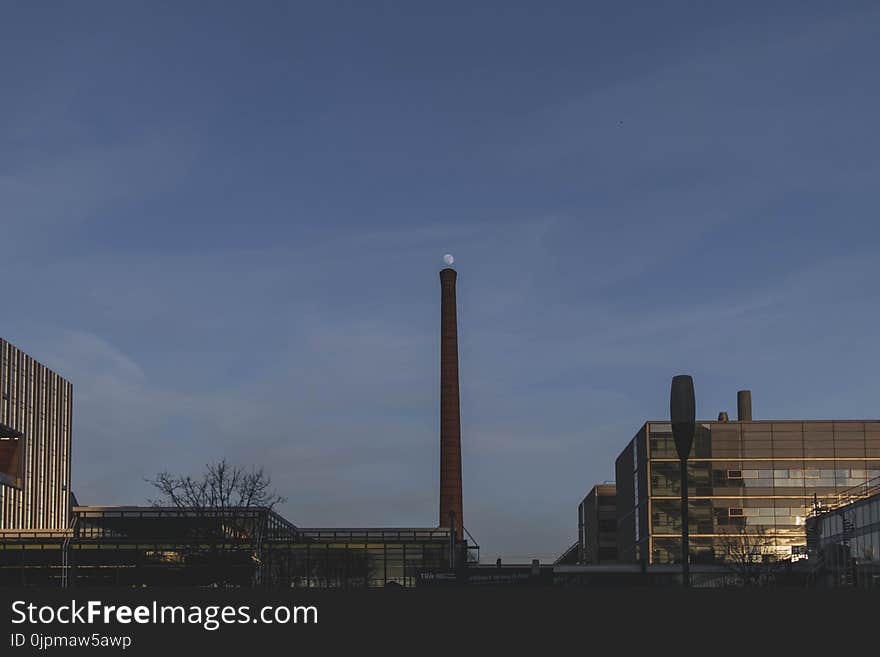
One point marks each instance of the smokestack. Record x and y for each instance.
(450, 414)
(744, 405)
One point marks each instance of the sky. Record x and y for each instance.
(223, 222)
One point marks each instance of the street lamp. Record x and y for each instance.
(682, 412)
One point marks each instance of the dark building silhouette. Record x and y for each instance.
(169, 546)
(597, 525)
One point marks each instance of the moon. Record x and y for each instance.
(448, 259)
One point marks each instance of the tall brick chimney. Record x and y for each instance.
(450, 419)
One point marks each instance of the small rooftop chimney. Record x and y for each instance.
(722, 417)
(744, 405)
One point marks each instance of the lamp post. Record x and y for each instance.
(682, 413)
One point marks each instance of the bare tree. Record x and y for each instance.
(749, 553)
(221, 486)
(226, 514)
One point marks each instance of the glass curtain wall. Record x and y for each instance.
(752, 485)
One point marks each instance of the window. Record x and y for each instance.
(607, 553)
(608, 525)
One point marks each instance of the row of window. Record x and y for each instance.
(718, 550)
(861, 516)
(783, 473)
(665, 478)
(840, 439)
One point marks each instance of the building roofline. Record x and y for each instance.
(176, 511)
(771, 421)
(39, 362)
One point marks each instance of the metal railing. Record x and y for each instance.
(375, 534)
(833, 501)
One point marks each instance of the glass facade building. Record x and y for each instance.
(752, 486)
(155, 546)
(845, 541)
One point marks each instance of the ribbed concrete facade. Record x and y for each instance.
(35, 429)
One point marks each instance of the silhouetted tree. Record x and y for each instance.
(224, 517)
(748, 551)
(221, 486)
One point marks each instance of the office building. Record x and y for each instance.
(752, 485)
(843, 537)
(35, 428)
(597, 525)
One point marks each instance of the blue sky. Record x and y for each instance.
(224, 224)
